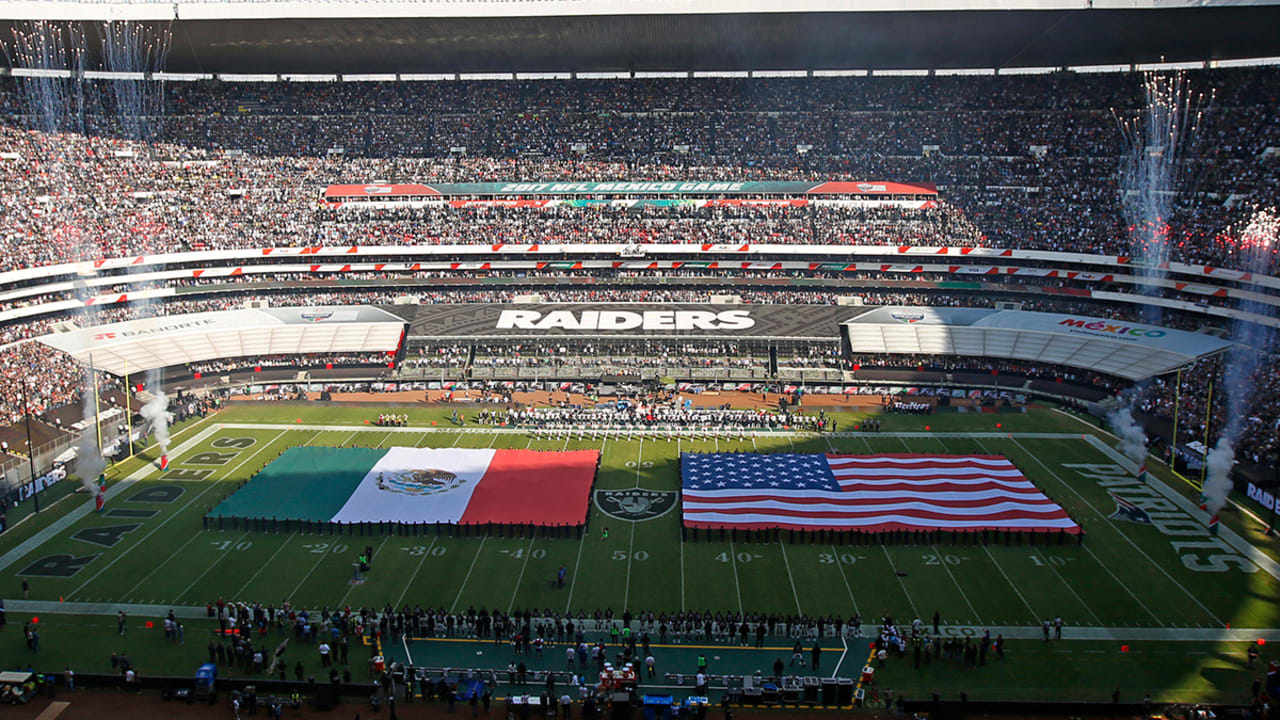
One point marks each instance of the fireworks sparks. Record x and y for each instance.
(134, 52)
(1156, 139)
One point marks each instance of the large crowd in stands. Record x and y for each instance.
(306, 361)
(89, 194)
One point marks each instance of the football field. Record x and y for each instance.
(1155, 576)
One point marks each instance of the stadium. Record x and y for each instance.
(635, 360)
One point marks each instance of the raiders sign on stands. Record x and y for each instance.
(807, 322)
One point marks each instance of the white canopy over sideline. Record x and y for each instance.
(140, 345)
(1130, 350)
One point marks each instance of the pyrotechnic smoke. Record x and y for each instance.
(1255, 249)
(89, 460)
(157, 413)
(1217, 479)
(51, 58)
(1156, 139)
(1133, 439)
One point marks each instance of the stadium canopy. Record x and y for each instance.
(448, 39)
(141, 345)
(1124, 349)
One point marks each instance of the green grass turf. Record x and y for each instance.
(1124, 575)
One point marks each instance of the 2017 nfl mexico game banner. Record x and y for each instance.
(409, 485)
(637, 187)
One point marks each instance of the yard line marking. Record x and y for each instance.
(894, 568)
(463, 585)
(176, 513)
(425, 554)
(208, 568)
(266, 564)
(790, 577)
(840, 566)
(733, 558)
(1129, 540)
(631, 549)
(963, 595)
(1072, 590)
(582, 541)
(494, 439)
(1034, 615)
(527, 554)
(682, 575)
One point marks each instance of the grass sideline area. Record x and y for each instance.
(1125, 579)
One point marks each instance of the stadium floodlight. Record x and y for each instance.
(248, 77)
(720, 73)
(181, 77)
(840, 73)
(486, 76)
(308, 77)
(779, 73)
(661, 74)
(905, 72)
(110, 75)
(369, 77)
(544, 76)
(945, 72)
(1099, 68)
(604, 76)
(427, 76)
(1164, 66)
(1036, 70)
(1244, 62)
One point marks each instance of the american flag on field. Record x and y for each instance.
(870, 493)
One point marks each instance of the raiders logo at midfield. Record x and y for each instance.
(635, 504)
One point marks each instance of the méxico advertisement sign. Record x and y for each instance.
(628, 187)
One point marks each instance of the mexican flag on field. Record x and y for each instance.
(420, 485)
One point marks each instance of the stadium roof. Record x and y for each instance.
(483, 36)
(140, 345)
(1129, 350)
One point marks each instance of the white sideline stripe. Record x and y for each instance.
(1244, 547)
(637, 433)
(74, 515)
(1014, 632)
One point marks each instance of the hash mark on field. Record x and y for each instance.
(1128, 539)
(462, 586)
(527, 554)
(733, 558)
(176, 513)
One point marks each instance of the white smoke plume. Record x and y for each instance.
(1217, 482)
(1133, 439)
(89, 460)
(157, 413)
